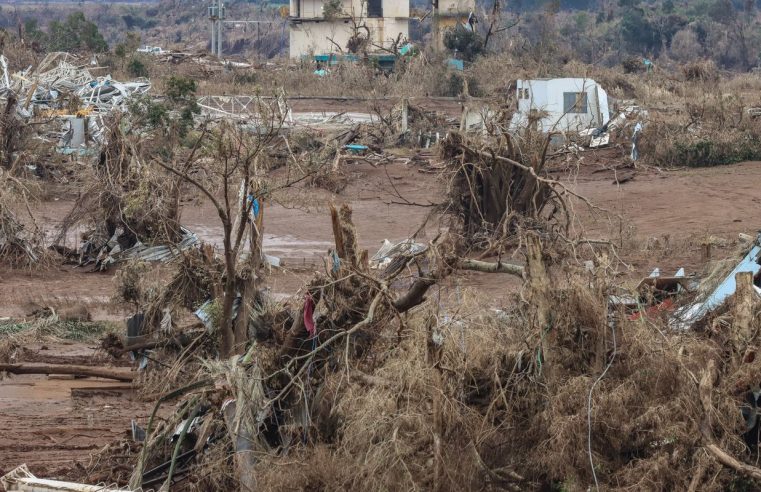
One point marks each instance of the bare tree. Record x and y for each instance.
(229, 173)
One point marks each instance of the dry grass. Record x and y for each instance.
(15, 335)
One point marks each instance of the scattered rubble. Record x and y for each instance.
(61, 80)
(21, 479)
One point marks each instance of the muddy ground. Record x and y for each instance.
(667, 213)
(51, 423)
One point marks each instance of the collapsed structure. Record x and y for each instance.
(49, 88)
(61, 87)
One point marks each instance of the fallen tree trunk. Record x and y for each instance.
(96, 372)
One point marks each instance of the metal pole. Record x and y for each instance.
(405, 113)
(221, 17)
(213, 37)
(219, 38)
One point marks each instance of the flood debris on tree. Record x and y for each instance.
(498, 185)
(130, 209)
(21, 242)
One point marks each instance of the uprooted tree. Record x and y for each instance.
(497, 185)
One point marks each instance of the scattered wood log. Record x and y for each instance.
(96, 372)
(624, 178)
(488, 267)
(105, 390)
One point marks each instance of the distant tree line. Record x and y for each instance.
(74, 34)
(728, 32)
(608, 32)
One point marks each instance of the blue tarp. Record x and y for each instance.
(456, 64)
(356, 148)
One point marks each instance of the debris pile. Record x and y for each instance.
(360, 389)
(132, 209)
(61, 84)
(495, 184)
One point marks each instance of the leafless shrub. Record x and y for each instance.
(701, 71)
(22, 242)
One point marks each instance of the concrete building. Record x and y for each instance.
(453, 12)
(565, 105)
(320, 27)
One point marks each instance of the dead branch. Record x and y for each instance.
(489, 267)
(707, 383)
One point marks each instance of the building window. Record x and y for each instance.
(375, 8)
(574, 102)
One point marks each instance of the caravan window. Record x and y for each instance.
(574, 102)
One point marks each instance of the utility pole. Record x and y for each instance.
(219, 28)
(216, 17)
(213, 17)
(435, 27)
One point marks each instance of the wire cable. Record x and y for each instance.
(589, 405)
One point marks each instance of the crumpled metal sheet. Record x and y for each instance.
(162, 253)
(689, 315)
(388, 251)
(106, 253)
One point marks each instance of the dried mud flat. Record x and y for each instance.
(47, 428)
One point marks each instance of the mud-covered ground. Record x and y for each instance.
(668, 213)
(51, 423)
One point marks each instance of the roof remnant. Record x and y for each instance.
(141, 252)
